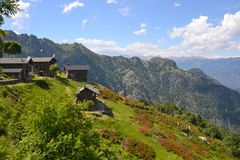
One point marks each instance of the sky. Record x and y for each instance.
(144, 28)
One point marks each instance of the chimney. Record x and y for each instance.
(28, 58)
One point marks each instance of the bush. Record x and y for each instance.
(86, 104)
(133, 103)
(140, 149)
(214, 132)
(54, 68)
(177, 148)
(144, 121)
(167, 108)
(111, 135)
(233, 141)
(146, 131)
(108, 94)
(5, 148)
(58, 133)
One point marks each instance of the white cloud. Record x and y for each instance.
(124, 11)
(198, 38)
(112, 1)
(84, 23)
(21, 16)
(71, 6)
(177, 4)
(142, 30)
(201, 38)
(65, 41)
(112, 48)
(143, 25)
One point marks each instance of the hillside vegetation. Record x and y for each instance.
(156, 80)
(40, 120)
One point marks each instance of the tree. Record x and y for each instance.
(233, 141)
(61, 132)
(54, 68)
(7, 9)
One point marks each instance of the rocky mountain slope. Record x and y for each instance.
(225, 70)
(157, 79)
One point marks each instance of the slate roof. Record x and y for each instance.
(15, 60)
(12, 70)
(89, 87)
(43, 59)
(76, 67)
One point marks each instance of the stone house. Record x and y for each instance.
(41, 65)
(77, 72)
(88, 92)
(17, 68)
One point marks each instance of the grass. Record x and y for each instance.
(59, 90)
(123, 123)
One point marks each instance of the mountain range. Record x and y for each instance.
(157, 79)
(225, 70)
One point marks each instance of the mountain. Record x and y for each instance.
(156, 80)
(40, 121)
(225, 70)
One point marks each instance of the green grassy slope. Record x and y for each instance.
(131, 133)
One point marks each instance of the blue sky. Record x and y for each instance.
(165, 28)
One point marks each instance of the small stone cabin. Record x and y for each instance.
(17, 68)
(15, 73)
(77, 72)
(88, 92)
(41, 65)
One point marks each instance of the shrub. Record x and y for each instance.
(145, 130)
(111, 135)
(233, 141)
(5, 148)
(145, 123)
(54, 68)
(133, 103)
(176, 147)
(108, 94)
(140, 149)
(58, 133)
(171, 135)
(86, 104)
(214, 132)
(167, 108)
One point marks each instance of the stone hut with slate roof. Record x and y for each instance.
(88, 92)
(41, 65)
(77, 72)
(17, 68)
